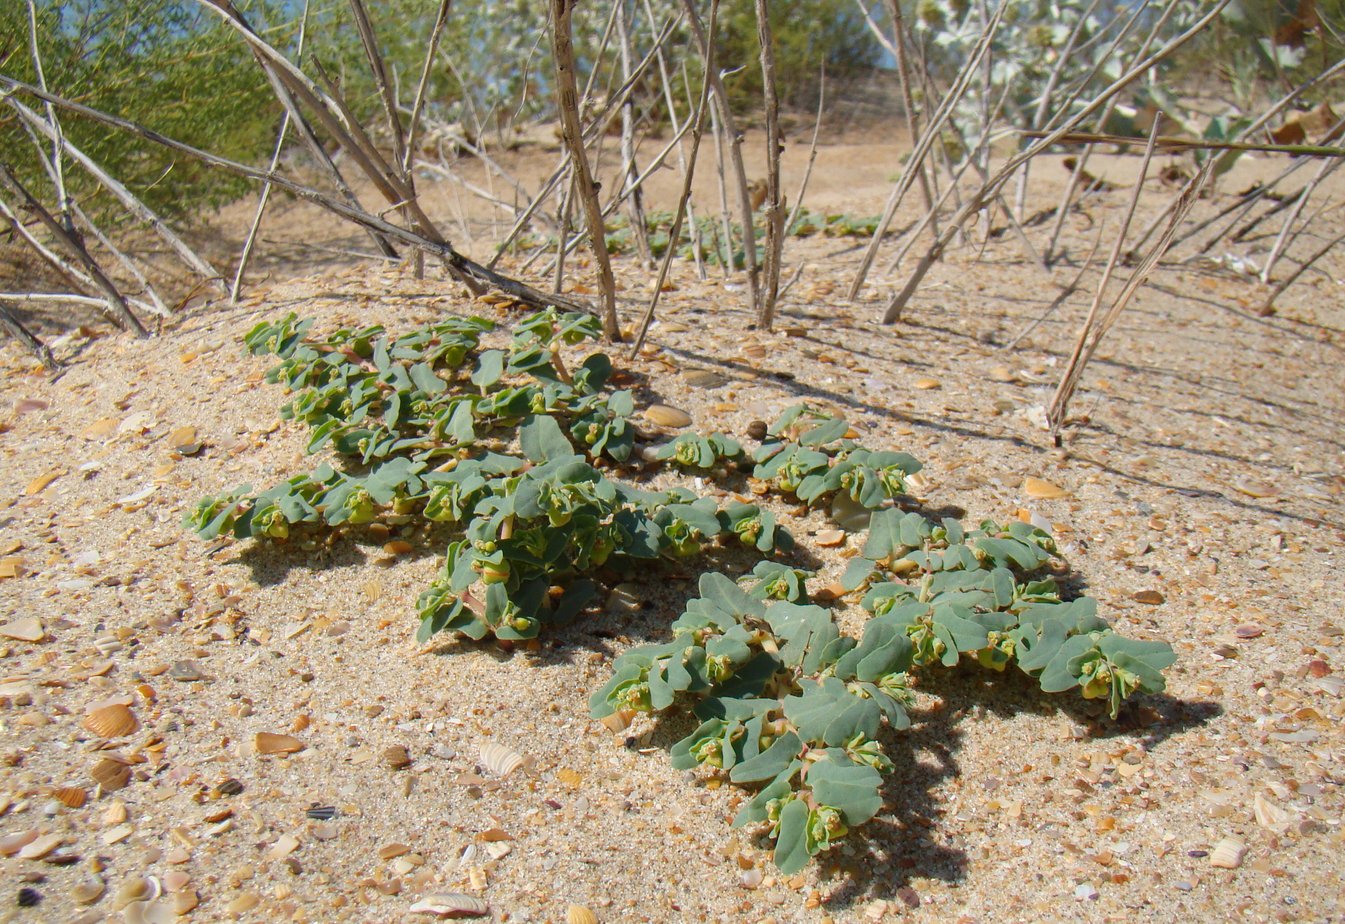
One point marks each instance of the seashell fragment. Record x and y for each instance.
(1228, 853)
(450, 905)
(271, 743)
(578, 914)
(24, 630)
(136, 889)
(40, 847)
(71, 796)
(396, 757)
(111, 774)
(830, 538)
(113, 721)
(11, 844)
(1271, 816)
(664, 415)
(1041, 489)
(499, 759)
(88, 891)
(150, 912)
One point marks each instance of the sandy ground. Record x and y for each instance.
(1204, 463)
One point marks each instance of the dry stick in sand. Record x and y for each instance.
(983, 195)
(931, 134)
(668, 99)
(401, 155)
(908, 100)
(1065, 293)
(773, 213)
(328, 112)
(730, 127)
(1077, 171)
(120, 309)
(57, 170)
(1044, 101)
(807, 174)
(146, 287)
(634, 198)
(567, 101)
(1324, 170)
(73, 211)
(246, 255)
(22, 334)
(120, 192)
(698, 120)
(897, 49)
(1268, 306)
(480, 275)
(595, 128)
(1095, 328)
(413, 124)
(725, 217)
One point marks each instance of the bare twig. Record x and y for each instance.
(978, 199)
(567, 100)
(595, 128)
(22, 334)
(1324, 169)
(1191, 144)
(1095, 328)
(380, 74)
(1067, 194)
(119, 308)
(698, 120)
(908, 100)
(1065, 293)
(146, 287)
(121, 193)
(730, 127)
(927, 139)
(773, 211)
(634, 198)
(812, 150)
(63, 202)
(431, 47)
(480, 276)
(245, 256)
(1268, 306)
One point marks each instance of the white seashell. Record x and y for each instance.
(1228, 853)
(450, 905)
(149, 912)
(1270, 816)
(499, 759)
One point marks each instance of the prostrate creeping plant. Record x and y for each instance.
(510, 448)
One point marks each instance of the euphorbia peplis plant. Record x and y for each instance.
(509, 449)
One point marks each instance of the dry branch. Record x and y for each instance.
(133, 205)
(480, 275)
(245, 256)
(567, 101)
(698, 120)
(773, 211)
(1096, 327)
(119, 308)
(22, 334)
(982, 196)
(729, 125)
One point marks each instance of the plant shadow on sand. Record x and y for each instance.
(901, 844)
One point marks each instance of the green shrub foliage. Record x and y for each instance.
(513, 450)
